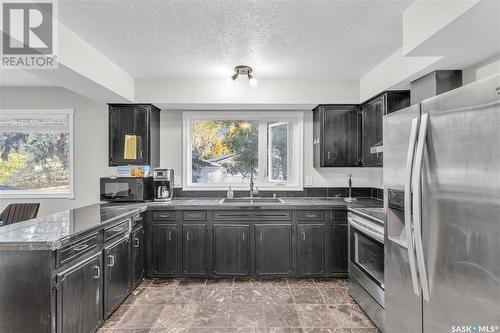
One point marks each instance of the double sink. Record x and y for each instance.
(251, 201)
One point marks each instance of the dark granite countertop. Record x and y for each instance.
(48, 232)
(289, 203)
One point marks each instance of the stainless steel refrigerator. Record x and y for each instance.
(442, 200)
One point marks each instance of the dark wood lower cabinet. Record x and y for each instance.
(302, 243)
(310, 250)
(137, 256)
(165, 250)
(340, 249)
(116, 274)
(231, 249)
(79, 297)
(273, 249)
(194, 249)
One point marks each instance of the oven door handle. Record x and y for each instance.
(407, 206)
(361, 227)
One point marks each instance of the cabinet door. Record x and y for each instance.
(126, 121)
(165, 249)
(231, 249)
(117, 274)
(340, 248)
(194, 249)
(371, 129)
(341, 135)
(273, 249)
(310, 250)
(79, 307)
(137, 255)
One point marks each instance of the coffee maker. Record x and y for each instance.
(163, 180)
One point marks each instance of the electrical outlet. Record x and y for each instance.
(177, 180)
(309, 180)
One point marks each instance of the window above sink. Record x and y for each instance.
(221, 149)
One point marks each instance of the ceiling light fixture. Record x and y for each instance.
(244, 70)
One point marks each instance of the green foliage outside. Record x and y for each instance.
(34, 160)
(239, 139)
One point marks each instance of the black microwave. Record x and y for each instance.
(126, 189)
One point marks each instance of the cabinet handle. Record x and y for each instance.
(137, 218)
(303, 236)
(136, 242)
(81, 247)
(163, 215)
(111, 261)
(243, 236)
(98, 272)
(118, 229)
(170, 235)
(260, 236)
(310, 215)
(328, 155)
(142, 154)
(187, 235)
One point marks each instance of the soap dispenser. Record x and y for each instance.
(230, 193)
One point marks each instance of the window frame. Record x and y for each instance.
(27, 194)
(295, 156)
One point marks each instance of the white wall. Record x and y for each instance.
(204, 93)
(481, 70)
(90, 141)
(171, 155)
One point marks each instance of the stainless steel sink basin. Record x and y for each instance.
(251, 200)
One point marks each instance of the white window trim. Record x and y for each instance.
(298, 141)
(27, 194)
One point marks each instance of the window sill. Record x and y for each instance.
(35, 195)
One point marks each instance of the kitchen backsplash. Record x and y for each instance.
(360, 192)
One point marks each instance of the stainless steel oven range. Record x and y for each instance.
(366, 264)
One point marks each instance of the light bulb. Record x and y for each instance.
(253, 82)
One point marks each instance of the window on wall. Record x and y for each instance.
(36, 153)
(224, 149)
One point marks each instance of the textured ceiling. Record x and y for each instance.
(280, 39)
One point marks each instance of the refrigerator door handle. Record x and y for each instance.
(417, 205)
(407, 206)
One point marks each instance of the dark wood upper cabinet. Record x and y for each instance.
(337, 135)
(134, 134)
(351, 135)
(372, 113)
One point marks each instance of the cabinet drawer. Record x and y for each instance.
(339, 215)
(194, 215)
(166, 215)
(269, 215)
(311, 215)
(137, 220)
(75, 250)
(116, 230)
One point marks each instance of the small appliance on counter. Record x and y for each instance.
(126, 189)
(163, 184)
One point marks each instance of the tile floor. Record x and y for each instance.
(240, 305)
